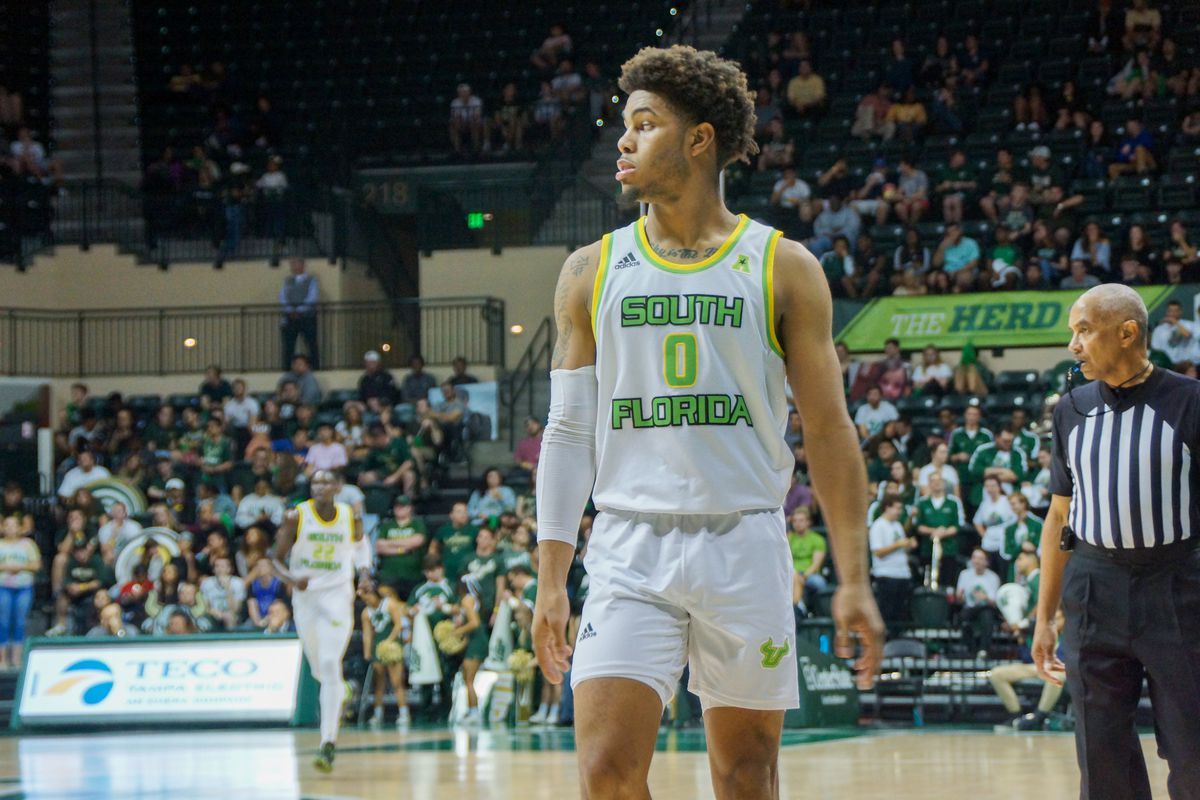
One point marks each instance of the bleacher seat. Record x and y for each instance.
(182, 401)
(1177, 191)
(1018, 381)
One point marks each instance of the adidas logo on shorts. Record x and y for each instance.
(587, 633)
(627, 260)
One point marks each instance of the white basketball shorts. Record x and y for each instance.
(712, 592)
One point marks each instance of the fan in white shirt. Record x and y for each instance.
(994, 515)
(874, 414)
(932, 375)
(79, 476)
(939, 465)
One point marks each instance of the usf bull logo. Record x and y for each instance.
(772, 654)
(742, 264)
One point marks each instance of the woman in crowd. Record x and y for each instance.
(932, 376)
(939, 465)
(351, 431)
(162, 599)
(492, 498)
(263, 589)
(20, 561)
(1094, 249)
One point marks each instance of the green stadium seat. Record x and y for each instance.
(1177, 191)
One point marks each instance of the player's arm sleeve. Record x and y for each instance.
(567, 467)
(363, 558)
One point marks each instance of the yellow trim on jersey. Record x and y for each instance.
(318, 520)
(672, 266)
(601, 275)
(769, 292)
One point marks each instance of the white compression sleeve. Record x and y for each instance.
(567, 465)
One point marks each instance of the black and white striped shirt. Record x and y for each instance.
(1128, 469)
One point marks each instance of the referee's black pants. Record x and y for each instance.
(1126, 622)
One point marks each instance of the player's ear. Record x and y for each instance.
(702, 138)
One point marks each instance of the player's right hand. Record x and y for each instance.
(855, 613)
(1045, 642)
(550, 615)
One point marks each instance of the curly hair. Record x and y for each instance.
(701, 86)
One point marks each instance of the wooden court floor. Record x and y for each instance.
(932, 764)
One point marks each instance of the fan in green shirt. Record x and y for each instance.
(1027, 528)
(997, 458)
(875, 510)
(455, 542)
(939, 515)
(401, 542)
(964, 441)
(1025, 440)
(1028, 572)
(488, 568)
(435, 596)
(389, 462)
(808, 547)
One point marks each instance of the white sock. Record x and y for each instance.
(553, 715)
(541, 712)
(333, 693)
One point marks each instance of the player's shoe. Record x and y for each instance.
(376, 720)
(324, 760)
(539, 717)
(404, 718)
(473, 719)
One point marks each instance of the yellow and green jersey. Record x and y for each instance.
(690, 372)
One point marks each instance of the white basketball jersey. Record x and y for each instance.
(692, 405)
(324, 551)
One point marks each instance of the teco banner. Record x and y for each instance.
(155, 680)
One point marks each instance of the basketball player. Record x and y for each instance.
(321, 540)
(675, 335)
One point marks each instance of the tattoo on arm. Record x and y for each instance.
(562, 314)
(578, 264)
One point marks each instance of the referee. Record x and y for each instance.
(1119, 552)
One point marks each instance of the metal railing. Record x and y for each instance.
(193, 224)
(155, 341)
(518, 390)
(200, 225)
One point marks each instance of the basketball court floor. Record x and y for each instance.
(931, 764)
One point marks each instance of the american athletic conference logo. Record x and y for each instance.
(95, 674)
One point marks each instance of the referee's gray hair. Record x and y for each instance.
(1120, 303)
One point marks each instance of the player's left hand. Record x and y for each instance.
(551, 612)
(855, 612)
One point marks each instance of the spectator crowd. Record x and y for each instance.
(965, 156)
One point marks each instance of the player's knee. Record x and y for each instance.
(609, 772)
(745, 777)
(330, 668)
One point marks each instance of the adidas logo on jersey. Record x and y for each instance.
(587, 633)
(627, 260)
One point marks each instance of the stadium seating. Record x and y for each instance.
(386, 71)
(1042, 41)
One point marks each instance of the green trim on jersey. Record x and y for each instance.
(601, 276)
(769, 293)
(643, 243)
